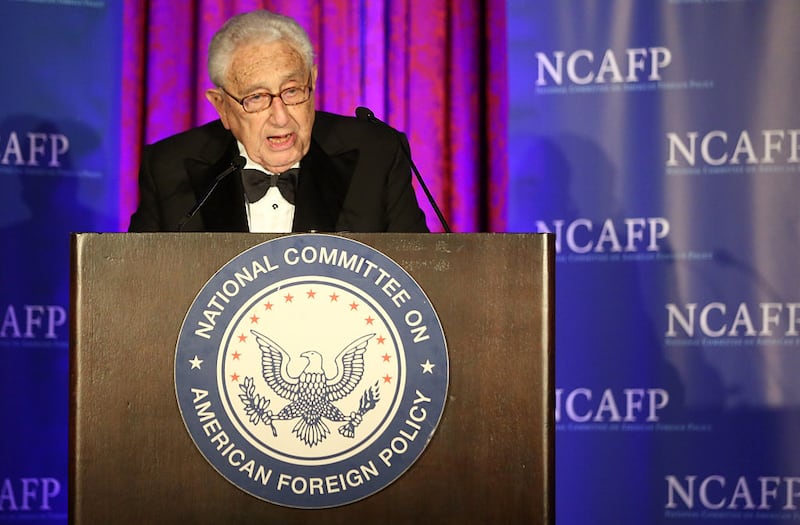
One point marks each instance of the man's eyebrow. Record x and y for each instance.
(299, 76)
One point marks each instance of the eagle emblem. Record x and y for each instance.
(311, 394)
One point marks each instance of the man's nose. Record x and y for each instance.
(280, 112)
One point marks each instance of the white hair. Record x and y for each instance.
(254, 26)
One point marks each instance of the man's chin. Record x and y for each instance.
(280, 164)
(281, 160)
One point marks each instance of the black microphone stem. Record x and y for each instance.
(424, 187)
(235, 166)
(367, 114)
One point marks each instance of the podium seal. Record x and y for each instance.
(311, 371)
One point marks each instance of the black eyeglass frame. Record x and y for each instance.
(243, 101)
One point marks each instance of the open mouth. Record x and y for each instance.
(280, 140)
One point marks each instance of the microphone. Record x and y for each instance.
(363, 113)
(237, 164)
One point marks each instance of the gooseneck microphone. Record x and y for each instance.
(366, 114)
(237, 164)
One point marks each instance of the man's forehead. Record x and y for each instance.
(274, 54)
(267, 62)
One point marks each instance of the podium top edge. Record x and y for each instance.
(339, 234)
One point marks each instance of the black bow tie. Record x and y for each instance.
(256, 183)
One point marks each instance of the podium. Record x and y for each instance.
(491, 459)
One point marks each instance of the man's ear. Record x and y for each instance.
(216, 97)
(314, 78)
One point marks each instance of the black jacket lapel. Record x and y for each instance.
(224, 210)
(321, 189)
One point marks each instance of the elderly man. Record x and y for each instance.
(352, 173)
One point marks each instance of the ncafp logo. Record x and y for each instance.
(311, 371)
(587, 66)
(33, 149)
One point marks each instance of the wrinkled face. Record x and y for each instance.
(279, 136)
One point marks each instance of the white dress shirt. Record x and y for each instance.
(271, 213)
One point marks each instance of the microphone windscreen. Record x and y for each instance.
(364, 113)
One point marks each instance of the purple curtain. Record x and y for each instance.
(435, 70)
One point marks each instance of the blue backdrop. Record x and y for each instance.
(59, 135)
(660, 141)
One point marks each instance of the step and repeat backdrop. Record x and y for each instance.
(59, 134)
(660, 141)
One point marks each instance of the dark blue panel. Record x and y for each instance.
(59, 149)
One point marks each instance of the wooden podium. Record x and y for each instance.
(491, 459)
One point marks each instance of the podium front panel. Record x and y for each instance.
(491, 459)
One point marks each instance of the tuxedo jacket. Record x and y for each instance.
(354, 177)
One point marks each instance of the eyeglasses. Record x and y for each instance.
(260, 101)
